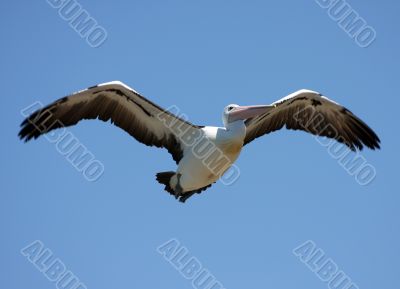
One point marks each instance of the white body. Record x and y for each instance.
(193, 170)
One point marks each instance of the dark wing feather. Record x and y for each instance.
(311, 112)
(127, 109)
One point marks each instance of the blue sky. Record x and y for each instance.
(200, 56)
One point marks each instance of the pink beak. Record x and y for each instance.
(246, 112)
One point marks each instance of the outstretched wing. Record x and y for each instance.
(311, 112)
(145, 121)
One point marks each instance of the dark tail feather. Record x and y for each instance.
(164, 178)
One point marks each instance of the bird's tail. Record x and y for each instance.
(164, 178)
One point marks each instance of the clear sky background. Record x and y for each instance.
(200, 56)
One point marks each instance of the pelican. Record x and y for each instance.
(202, 153)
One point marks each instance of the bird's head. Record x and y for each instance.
(234, 112)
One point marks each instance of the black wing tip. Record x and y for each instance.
(29, 127)
(22, 136)
(24, 133)
(370, 139)
(28, 132)
(365, 136)
(375, 142)
(375, 146)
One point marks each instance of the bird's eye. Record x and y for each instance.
(230, 108)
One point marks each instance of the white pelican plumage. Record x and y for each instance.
(203, 153)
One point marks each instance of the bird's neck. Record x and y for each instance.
(236, 129)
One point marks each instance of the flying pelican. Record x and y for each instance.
(203, 153)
